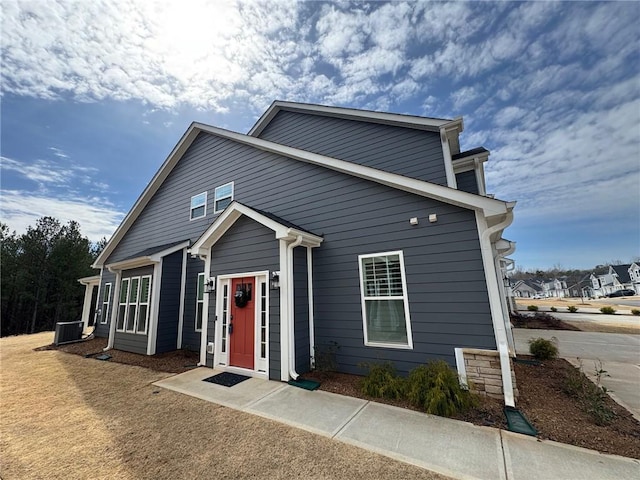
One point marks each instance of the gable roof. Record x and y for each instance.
(395, 119)
(489, 206)
(623, 272)
(283, 229)
(148, 256)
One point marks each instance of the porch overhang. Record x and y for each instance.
(90, 281)
(283, 230)
(148, 257)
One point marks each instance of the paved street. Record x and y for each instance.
(619, 354)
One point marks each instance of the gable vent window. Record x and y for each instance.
(223, 197)
(385, 306)
(198, 206)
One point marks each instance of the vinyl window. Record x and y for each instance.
(106, 300)
(223, 196)
(198, 206)
(385, 305)
(199, 302)
(133, 305)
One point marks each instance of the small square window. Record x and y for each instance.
(198, 205)
(223, 197)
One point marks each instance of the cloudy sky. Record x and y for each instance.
(96, 94)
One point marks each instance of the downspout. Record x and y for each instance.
(290, 313)
(312, 341)
(114, 309)
(495, 303)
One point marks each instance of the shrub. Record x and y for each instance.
(554, 309)
(592, 395)
(435, 388)
(382, 381)
(608, 310)
(572, 308)
(532, 308)
(543, 349)
(635, 311)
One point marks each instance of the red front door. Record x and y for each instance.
(241, 334)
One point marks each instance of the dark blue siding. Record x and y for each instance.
(446, 283)
(410, 152)
(191, 338)
(467, 181)
(248, 247)
(169, 309)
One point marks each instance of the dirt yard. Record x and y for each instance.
(69, 417)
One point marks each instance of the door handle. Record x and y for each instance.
(230, 328)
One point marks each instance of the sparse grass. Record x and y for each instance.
(572, 309)
(69, 417)
(532, 308)
(635, 312)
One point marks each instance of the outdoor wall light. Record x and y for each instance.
(506, 281)
(210, 285)
(275, 280)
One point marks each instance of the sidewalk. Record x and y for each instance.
(450, 447)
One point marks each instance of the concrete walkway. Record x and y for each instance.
(450, 447)
(619, 355)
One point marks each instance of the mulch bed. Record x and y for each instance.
(540, 320)
(178, 361)
(555, 414)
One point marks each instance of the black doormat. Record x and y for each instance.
(227, 379)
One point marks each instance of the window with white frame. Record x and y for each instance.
(143, 304)
(132, 303)
(122, 304)
(133, 306)
(385, 305)
(199, 302)
(223, 196)
(106, 300)
(198, 206)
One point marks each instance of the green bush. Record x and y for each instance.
(572, 308)
(635, 311)
(532, 308)
(543, 349)
(436, 389)
(554, 309)
(382, 381)
(608, 310)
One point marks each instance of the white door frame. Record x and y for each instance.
(220, 358)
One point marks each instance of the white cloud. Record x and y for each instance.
(48, 174)
(97, 217)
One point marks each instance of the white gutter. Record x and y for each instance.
(494, 299)
(290, 307)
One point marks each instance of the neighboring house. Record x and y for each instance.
(324, 231)
(554, 288)
(527, 289)
(634, 276)
(617, 277)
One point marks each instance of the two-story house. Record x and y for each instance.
(321, 227)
